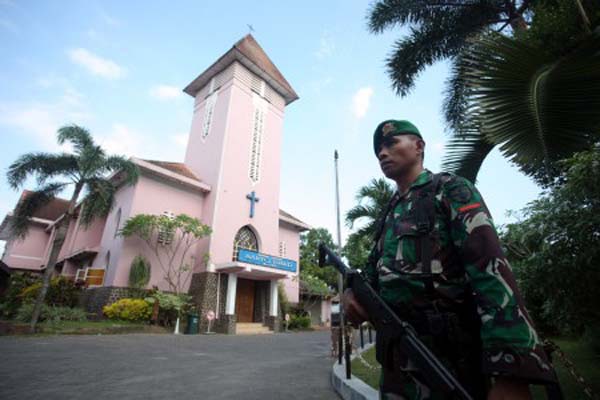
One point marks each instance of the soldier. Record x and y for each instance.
(438, 263)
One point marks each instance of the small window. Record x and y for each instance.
(282, 249)
(165, 236)
(208, 114)
(256, 144)
(107, 262)
(117, 222)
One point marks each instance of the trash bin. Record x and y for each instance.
(193, 321)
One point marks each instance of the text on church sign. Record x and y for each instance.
(252, 257)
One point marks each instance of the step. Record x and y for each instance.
(251, 328)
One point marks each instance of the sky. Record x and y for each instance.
(118, 68)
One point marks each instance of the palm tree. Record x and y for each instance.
(86, 169)
(439, 30)
(377, 194)
(537, 108)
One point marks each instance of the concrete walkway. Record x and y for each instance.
(280, 366)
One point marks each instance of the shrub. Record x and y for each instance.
(62, 292)
(51, 313)
(139, 273)
(171, 305)
(11, 301)
(299, 322)
(128, 310)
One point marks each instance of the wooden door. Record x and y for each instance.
(244, 301)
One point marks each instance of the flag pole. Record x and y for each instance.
(344, 340)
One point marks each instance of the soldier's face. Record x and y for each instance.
(398, 154)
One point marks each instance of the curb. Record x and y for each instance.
(353, 388)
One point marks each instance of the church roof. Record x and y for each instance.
(289, 218)
(176, 167)
(248, 52)
(51, 211)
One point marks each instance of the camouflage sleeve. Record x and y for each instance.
(370, 269)
(511, 345)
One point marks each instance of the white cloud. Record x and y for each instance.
(361, 101)
(181, 139)
(109, 19)
(40, 121)
(326, 46)
(121, 140)
(165, 92)
(95, 64)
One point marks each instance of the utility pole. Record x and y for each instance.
(344, 342)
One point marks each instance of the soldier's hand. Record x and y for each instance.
(354, 312)
(507, 389)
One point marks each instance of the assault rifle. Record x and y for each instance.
(392, 332)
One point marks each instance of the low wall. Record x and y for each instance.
(93, 299)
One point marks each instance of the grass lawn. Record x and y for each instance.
(88, 328)
(587, 364)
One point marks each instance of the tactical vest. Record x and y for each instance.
(423, 215)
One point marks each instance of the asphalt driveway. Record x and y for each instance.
(279, 366)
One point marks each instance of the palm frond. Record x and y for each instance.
(29, 204)
(78, 136)
(372, 201)
(98, 200)
(127, 167)
(441, 32)
(535, 109)
(43, 165)
(466, 153)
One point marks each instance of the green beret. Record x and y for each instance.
(393, 127)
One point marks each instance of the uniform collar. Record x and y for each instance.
(423, 178)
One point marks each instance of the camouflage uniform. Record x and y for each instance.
(467, 265)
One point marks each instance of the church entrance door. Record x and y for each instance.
(244, 301)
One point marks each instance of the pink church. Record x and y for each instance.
(229, 180)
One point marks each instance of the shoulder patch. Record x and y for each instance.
(460, 193)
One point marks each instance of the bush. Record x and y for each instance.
(129, 310)
(299, 322)
(139, 273)
(11, 301)
(62, 292)
(51, 313)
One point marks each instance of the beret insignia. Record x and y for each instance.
(388, 128)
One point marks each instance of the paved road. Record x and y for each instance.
(281, 366)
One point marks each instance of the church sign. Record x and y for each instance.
(252, 257)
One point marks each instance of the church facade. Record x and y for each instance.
(229, 180)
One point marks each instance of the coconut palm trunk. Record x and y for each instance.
(57, 243)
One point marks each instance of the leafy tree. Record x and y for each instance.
(309, 255)
(357, 250)
(314, 287)
(372, 202)
(555, 249)
(170, 239)
(139, 272)
(86, 169)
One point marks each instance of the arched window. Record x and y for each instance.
(117, 222)
(244, 239)
(107, 262)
